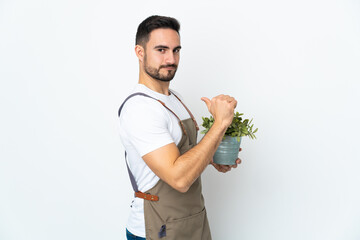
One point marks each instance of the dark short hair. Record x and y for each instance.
(151, 23)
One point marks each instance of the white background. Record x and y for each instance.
(66, 66)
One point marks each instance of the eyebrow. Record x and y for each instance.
(166, 47)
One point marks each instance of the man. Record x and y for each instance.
(159, 135)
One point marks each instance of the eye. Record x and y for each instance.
(161, 50)
(177, 50)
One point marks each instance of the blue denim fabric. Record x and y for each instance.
(131, 236)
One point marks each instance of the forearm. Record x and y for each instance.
(191, 164)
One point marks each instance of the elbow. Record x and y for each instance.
(181, 186)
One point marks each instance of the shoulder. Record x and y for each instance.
(142, 107)
(141, 102)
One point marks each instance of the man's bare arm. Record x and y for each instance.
(180, 171)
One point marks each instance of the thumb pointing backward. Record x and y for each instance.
(207, 102)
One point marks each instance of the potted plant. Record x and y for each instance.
(228, 150)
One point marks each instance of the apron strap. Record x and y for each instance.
(130, 96)
(139, 194)
(132, 178)
(181, 123)
(162, 103)
(191, 115)
(146, 196)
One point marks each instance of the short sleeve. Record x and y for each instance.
(145, 124)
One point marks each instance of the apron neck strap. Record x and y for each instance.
(191, 115)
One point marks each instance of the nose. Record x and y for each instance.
(170, 58)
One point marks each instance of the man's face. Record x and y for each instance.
(162, 54)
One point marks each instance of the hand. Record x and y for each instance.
(226, 168)
(222, 108)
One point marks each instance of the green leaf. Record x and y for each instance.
(238, 128)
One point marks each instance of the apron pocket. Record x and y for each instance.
(188, 228)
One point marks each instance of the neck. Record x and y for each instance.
(154, 84)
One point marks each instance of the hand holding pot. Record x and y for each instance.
(226, 168)
(221, 108)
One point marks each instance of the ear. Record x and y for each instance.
(140, 52)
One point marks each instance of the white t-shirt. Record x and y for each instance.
(146, 125)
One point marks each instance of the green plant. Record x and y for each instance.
(238, 128)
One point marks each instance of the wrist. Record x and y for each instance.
(220, 126)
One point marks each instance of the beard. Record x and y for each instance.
(155, 72)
